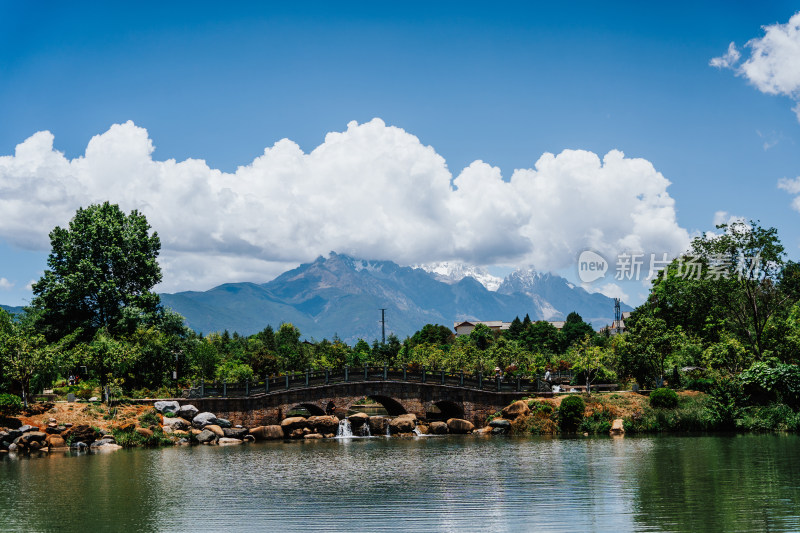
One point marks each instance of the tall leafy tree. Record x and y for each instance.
(103, 263)
(575, 328)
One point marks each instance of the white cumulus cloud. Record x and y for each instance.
(774, 63)
(5, 285)
(792, 186)
(373, 191)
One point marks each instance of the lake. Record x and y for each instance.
(663, 483)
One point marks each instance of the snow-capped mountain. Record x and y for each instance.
(454, 272)
(343, 295)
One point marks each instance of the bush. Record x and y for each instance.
(570, 414)
(664, 399)
(149, 418)
(599, 423)
(10, 404)
(764, 384)
(699, 384)
(724, 404)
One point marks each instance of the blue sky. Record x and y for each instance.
(499, 83)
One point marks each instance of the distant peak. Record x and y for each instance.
(450, 272)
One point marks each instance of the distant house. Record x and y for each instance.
(614, 328)
(466, 327)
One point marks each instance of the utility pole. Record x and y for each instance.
(617, 315)
(383, 326)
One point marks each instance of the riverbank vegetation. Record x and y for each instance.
(722, 319)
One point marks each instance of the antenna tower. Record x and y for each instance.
(383, 326)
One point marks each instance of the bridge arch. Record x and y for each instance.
(392, 406)
(444, 410)
(313, 409)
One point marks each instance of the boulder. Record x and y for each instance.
(293, 423)
(169, 408)
(297, 434)
(500, 423)
(357, 420)
(54, 430)
(81, 433)
(203, 419)
(144, 432)
(12, 434)
(221, 422)
(177, 423)
(234, 433)
(403, 423)
(324, 424)
(267, 433)
(35, 436)
(312, 436)
(206, 436)
(215, 429)
(187, 411)
(422, 430)
(229, 441)
(438, 428)
(459, 426)
(249, 438)
(378, 425)
(518, 408)
(617, 427)
(25, 428)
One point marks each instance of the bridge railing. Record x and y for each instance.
(406, 373)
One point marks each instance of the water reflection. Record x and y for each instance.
(444, 484)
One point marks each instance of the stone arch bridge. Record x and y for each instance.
(396, 397)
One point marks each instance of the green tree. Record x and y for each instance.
(543, 337)
(591, 361)
(515, 330)
(746, 274)
(481, 336)
(204, 358)
(575, 329)
(104, 262)
(25, 355)
(653, 340)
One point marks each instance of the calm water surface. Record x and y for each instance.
(719, 483)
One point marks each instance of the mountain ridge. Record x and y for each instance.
(342, 295)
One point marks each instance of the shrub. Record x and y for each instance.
(699, 384)
(570, 414)
(85, 391)
(764, 384)
(724, 404)
(598, 423)
(149, 418)
(10, 404)
(664, 398)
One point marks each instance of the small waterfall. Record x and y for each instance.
(388, 428)
(364, 430)
(417, 432)
(344, 430)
